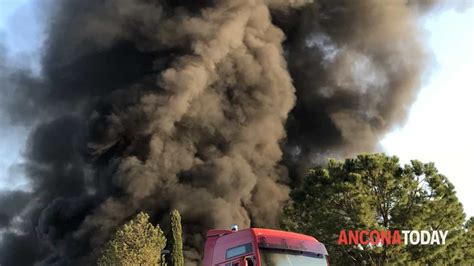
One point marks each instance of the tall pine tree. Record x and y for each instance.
(375, 192)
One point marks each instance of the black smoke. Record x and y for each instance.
(211, 107)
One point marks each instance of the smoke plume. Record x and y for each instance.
(214, 108)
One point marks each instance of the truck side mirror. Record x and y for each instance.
(249, 261)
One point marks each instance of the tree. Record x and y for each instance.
(374, 192)
(468, 242)
(177, 258)
(137, 243)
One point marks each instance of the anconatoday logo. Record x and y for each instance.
(392, 237)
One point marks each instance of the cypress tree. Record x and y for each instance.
(177, 258)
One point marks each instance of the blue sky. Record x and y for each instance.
(22, 38)
(440, 126)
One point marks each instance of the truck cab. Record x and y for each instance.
(262, 247)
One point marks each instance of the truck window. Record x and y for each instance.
(239, 250)
(281, 257)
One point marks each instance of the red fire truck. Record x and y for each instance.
(262, 247)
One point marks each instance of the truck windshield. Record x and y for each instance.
(281, 257)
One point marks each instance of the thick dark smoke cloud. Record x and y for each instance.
(356, 70)
(210, 107)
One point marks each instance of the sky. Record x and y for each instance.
(439, 128)
(22, 37)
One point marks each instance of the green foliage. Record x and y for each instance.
(468, 242)
(137, 243)
(177, 258)
(375, 192)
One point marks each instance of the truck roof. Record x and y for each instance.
(262, 232)
(277, 233)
